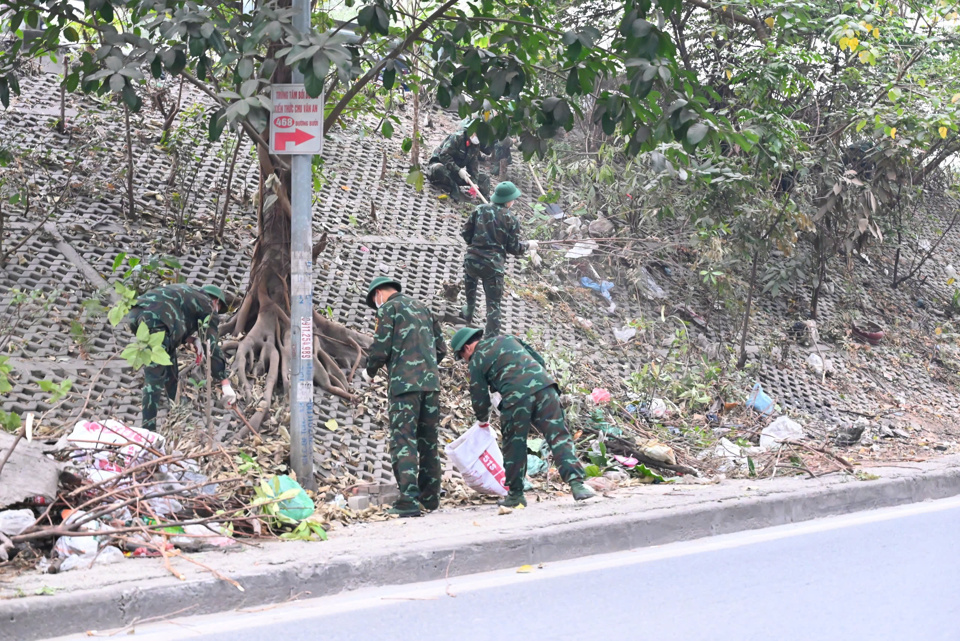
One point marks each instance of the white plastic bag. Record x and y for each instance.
(781, 429)
(478, 459)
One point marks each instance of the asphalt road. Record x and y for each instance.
(891, 574)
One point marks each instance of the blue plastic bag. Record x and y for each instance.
(603, 287)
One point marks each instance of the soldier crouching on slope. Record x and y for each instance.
(179, 311)
(409, 342)
(491, 232)
(529, 398)
(456, 160)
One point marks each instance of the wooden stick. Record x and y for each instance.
(536, 180)
(477, 189)
(243, 418)
(20, 434)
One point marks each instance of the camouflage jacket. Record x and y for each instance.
(457, 151)
(409, 342)
(182, 309)
(491, 233)
(507, 365)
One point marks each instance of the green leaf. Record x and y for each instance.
(118, 260)
(415, 178)
(389, 77)
(116, 314)
(382, 21)
(249, 87)
(130, 97)
(443, 97)
(406, 145)
(106, 12)
(387, 129)
(143, 333)
(245, 68)
(498, 85)
(573, 82)
(218, 120)
(313, 84)
(71, 34)
(156, 339)
(130, 353)
(365, 16)
(697, 132)
(592, 470)
(160, 356)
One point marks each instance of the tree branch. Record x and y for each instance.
(247, 127)
(763, 32)
(331, 119)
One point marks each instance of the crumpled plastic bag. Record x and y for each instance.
(782, 429)
(603, 287)
(107, 556)
(535, 465)
(659, 452)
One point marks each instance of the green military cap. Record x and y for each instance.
(505, 192)
(379, 282)
(216, 292)
(463, 336)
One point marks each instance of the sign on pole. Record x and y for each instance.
(296, 122)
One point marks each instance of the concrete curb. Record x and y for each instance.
(37, 617)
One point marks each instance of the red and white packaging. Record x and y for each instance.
(478, 459)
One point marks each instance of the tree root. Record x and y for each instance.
(264, 351)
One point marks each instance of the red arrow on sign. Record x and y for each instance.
(298, 137)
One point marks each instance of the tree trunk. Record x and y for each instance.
(62, 125)
(218, 229)
(742, 361)
(263, 319)
(126, 121)
(821, 246)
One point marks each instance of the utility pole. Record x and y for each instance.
(301, 292)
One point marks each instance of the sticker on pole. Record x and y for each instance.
(296, 122)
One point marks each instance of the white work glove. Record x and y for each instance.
(229, 396)
(532, 245)
(365, 375)
(198, 348)
(464, 176)
(495, 399)
(535, 259)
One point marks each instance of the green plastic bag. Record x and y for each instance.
(300, 506)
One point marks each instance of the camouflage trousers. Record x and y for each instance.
(502, 151)
(438, 174)
(156, 378)
(475, 271)
(541, 410)
(414, 421)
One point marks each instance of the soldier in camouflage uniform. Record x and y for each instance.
(491, 233)
(502, 150)
(529, 397)
(503, 157)
(178, 311)
(409, 342)
(454, 160)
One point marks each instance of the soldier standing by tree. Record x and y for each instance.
(491, 233)
(530, 396)
(179, 311)
(409, 342)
